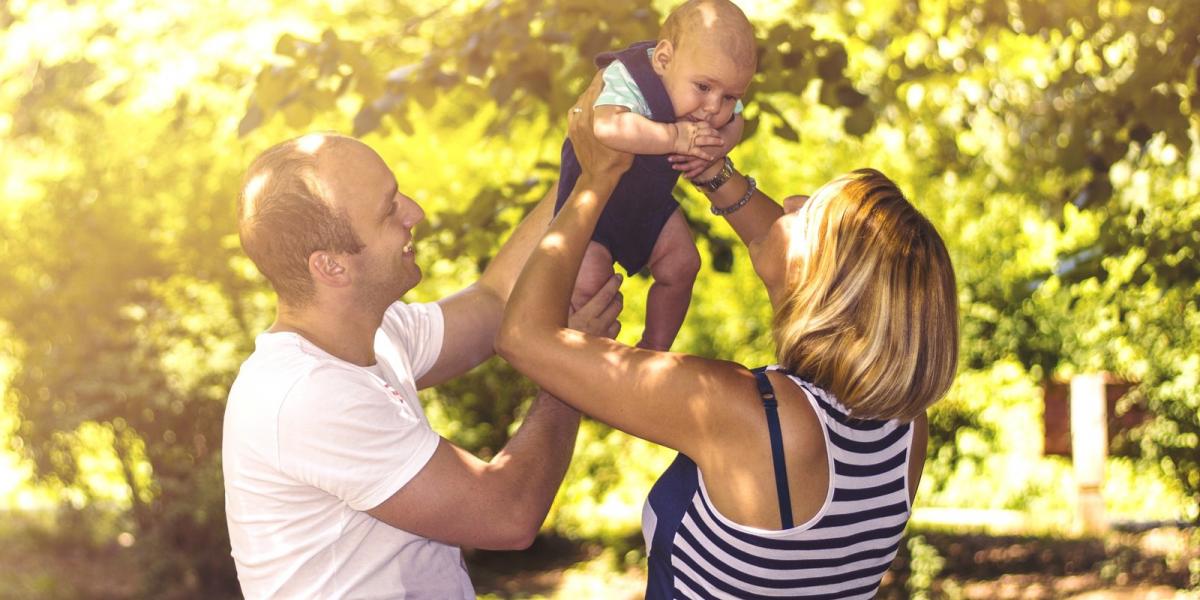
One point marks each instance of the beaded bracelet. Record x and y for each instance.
(732, 208)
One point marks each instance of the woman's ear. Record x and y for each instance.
(327, 269)
(663, 53)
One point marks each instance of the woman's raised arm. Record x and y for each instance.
(663, 397)
(749, 211)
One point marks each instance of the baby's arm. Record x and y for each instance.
(621, 129)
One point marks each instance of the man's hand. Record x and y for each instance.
(692, 166)
(598, 316)
(595, 158)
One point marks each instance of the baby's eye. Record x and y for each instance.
(704, 87)
(731, 98)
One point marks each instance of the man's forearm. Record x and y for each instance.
(535, 460)
(472, 315)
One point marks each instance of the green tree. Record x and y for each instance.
(128, 307)
(1054, 146)
(1021, 102)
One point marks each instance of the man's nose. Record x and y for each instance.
(413, 213)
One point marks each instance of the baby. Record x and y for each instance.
(676, 104)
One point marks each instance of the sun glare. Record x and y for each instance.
(253, 187)
(311, 143)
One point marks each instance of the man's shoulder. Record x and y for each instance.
(282, 365)
(414, 331)
(280, 357)
(403, 316)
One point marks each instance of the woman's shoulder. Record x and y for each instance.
(732, 395)
(799, 412)
(745, 408)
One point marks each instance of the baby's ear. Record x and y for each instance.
(662, 56)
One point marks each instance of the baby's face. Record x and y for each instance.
(703, 82)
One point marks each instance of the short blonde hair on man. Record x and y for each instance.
(283, 216)
(871, 313)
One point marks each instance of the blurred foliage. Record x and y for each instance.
(925, 565)
(1054, 145)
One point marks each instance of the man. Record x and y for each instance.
(335, 484)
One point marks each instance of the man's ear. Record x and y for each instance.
(326, 268)
(662, 56)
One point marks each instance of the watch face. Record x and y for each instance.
(721, 177)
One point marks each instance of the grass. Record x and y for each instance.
(39, 559)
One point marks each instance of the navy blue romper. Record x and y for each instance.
(642, 200)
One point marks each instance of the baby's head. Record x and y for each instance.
(706, 56)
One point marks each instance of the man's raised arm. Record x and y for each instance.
(472, 315)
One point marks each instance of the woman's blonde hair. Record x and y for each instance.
(871, 311)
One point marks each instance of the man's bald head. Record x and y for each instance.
(285, 212)
(716, 23)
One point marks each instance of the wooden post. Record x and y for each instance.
(1089, 448)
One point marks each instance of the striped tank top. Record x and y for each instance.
(841, 552)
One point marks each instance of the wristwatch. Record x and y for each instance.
(718, 180)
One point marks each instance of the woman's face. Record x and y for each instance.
(775, 252)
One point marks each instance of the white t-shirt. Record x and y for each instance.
(310, 443)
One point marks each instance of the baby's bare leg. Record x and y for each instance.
(594, 272)
(674, 263)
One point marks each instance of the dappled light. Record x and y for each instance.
(253, 188)
(312, 143)
(1054, 145)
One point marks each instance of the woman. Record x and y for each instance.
(796, 481)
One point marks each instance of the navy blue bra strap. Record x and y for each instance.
(770, 404)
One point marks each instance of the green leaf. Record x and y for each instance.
(784, 130)
(297, 115)
(751, 127)
(833, 62)
(722, 255)
(290, 45)
(251, 120)
(366, 120)
(848, 96)
(859, 121)
(273, 84)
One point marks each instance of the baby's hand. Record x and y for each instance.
(691, 166)
(696, 139)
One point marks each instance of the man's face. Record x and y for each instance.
(364, 188)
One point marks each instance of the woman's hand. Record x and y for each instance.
(595, 159)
